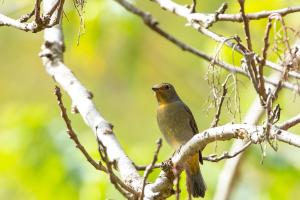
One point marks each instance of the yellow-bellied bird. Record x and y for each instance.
(177, 124)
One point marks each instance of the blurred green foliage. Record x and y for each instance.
(119, 59)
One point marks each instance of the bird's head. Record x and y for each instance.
(165, 93)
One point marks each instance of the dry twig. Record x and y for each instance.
(41, 21)
(220, 103)
(99, 166)
(143, 167)
(196, 22)
(226, 155)
(150, 167)
(290, 123)
(52, 54)
(72, 133)
(153, 24)
(124, 189)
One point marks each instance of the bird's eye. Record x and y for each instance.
(167, 87)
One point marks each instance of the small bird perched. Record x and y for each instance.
(177, 124)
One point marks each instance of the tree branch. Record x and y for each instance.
(153, 24)
(150, 167)
(220, 104)
(227, 132)
(73, 135)
(226, 155)
(290, 123)
(52, 57)
(40, 22)
(258, 15)
(229, 174)
(246, 132)
(52, 53)
(199, 24)
(120, 186)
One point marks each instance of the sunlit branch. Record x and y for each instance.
(47, 20)
(153, 24)
(290, 123)
(252, 133)
(199, 21)
(52, 57)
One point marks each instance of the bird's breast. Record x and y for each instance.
(173, 121)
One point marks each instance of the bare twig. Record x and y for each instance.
(40, 22)
(226, 155)
(104, 132)
(273, 116)
(193, 6)
(124, 189)
(99, 166)
(279, 68)
(256, 78)
(52, 54)
(270, 116)
(220, 103)
(196, 22)
(26, 17)
(150, 167)
(220, 10)
(246, 24)
(290, 123)
(229, 175)
(209, 18)
(153, 24)
(287, 64)
(262, 62)
(73, 135)
(143, 167)
(37, 12)
(258, 15)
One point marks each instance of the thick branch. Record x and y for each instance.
(52, 59)
(52, 53)
(227, 132)
(238, 131)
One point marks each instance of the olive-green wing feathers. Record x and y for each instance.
(194, 128)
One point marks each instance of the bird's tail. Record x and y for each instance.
(195, 182)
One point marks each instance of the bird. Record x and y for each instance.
(177, 124)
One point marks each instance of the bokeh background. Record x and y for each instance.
(119, 59)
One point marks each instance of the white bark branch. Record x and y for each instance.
(49, 19)
(228, 176)
(246, 132)
(51, 54)
(7, 21)
(198, 21)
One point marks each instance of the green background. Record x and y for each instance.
(119, 59)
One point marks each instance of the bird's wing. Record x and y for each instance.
(194, 128)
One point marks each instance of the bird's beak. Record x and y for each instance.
(155, 88)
